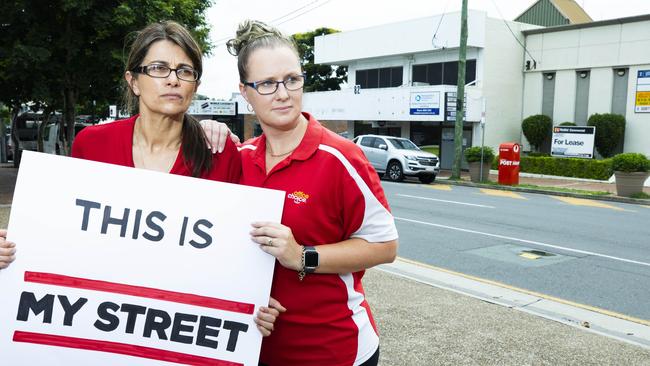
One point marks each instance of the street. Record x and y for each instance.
(587, 252)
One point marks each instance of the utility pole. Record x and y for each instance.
(460, 95)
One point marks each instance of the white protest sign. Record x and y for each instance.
(573, 141)
(121, 266)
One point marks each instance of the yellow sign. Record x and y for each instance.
(643, 98)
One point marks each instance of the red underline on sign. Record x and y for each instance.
(119, 348)
(152, 293)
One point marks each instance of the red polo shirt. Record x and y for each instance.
(332, 194)
(113, 143)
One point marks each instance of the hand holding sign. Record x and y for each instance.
(7, 250)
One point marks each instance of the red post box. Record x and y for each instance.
(509, 163)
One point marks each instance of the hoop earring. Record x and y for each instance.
(250, 108)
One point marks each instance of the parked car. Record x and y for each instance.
(397, 157)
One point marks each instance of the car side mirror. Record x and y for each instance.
(383, 147)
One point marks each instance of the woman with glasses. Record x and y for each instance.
(336, 221)
(162, 74)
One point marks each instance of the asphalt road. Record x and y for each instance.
(584, 251)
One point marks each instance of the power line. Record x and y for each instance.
(222, 41)
(444, 11)
(513, 33)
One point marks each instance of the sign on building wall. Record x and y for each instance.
(213, 107)
(425, 103)
(451, 106)
(573, 142)
(642, 104)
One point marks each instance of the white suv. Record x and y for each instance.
(397, 157)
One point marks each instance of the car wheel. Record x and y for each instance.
(394, 171)
(426, 179)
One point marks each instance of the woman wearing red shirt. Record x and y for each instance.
(336, 221)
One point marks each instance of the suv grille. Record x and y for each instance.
(428, 161)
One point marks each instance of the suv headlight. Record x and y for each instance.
(409, 157)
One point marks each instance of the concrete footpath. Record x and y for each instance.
(431, 316)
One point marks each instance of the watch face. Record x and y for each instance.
(311, 259)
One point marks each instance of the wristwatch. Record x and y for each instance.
(310, 259)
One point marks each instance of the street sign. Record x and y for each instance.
(573, 141)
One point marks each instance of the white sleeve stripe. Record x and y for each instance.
(378, 224)
(247, 147)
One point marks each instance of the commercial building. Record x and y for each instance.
(402, 76)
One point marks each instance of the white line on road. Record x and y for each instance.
(434, 199)
(525, 241)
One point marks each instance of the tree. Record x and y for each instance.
(319, 77)
(610, 129)
(537, 129)
(69, 52)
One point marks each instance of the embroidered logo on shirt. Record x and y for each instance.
(298, 197)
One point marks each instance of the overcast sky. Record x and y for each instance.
(220, 77)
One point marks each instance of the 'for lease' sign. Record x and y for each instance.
(122, 266)
(573, 141)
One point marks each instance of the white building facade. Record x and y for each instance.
(406, 76)
(599, 67)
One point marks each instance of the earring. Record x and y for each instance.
(250, 108)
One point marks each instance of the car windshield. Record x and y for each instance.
(403, 144)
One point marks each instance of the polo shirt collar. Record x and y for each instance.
(307, 147)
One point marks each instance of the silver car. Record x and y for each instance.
(397, 157)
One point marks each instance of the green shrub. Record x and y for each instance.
(537, 129)
(610, 129)
(567, 124)
(630, 162)
(473, 154)
(567, 167)
(536, 153)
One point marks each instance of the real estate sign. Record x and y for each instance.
(642, 103)
(573, 141)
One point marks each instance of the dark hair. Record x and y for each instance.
(195, 153)
(251, 35)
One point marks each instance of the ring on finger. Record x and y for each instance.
(270, 242)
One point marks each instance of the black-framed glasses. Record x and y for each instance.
(163, 71)
(266, 87)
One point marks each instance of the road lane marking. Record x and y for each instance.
(529, 256)
(529, 292)
(526, 241)
(585, 202)
(440, 187)
(500, 193)
(437, 200)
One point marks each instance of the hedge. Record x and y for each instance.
(565, 167)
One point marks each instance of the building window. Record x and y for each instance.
(443, 73)
(386, 77)
(548, 94)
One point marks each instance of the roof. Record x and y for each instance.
(632, 19)
(568, 9)
(572, 11)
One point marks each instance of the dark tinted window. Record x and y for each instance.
(397, 76)
(367, 141)
(373, 78)
(450, 70)
(470, 71)
(434, 74)
(378, 142)
(384, 78)
(362, 78)
(420, 73)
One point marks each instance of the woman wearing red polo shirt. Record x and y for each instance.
(163, 72)
(336, 221)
